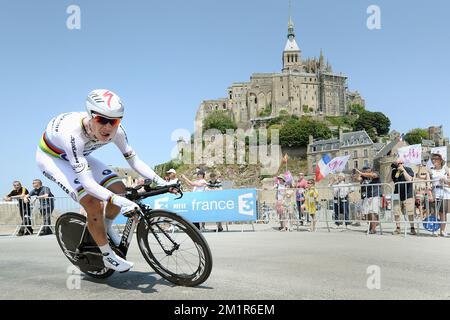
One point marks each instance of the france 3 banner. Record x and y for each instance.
(208, 206)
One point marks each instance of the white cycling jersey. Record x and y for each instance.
(64, 157)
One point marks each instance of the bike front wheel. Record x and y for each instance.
(174, 248)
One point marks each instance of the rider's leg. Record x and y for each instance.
(96, 223)
(96, 227)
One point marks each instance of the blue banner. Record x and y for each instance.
(208, 206)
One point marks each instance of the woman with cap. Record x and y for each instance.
(440, 177)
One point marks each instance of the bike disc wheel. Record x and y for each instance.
(69, 229)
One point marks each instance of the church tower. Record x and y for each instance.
(291, 54)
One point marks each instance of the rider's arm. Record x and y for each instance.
(80, 166)
(137, 164)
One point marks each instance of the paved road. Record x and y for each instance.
(266, 264)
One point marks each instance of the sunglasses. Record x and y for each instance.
(104, 121)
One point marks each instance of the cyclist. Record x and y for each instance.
(64, 157)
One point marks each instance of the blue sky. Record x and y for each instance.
(164, 57)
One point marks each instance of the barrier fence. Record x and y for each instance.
(34, 217)
(417, 206)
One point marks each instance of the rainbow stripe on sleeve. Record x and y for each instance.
(104, 183)
(50, 148)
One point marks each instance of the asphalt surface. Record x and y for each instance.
(266, 264)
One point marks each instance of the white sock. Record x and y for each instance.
(106, 249)
(115, 237)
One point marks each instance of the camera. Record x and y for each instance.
(394, 165)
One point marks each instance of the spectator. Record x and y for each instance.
(402, 177)
(424, 196)
(341, 191)
(440, 175)
(47, 204)
(280, 188)
(172, 176)
(19, 193)
(370, 194)
(214, 184)
(166, 177)
(311, 201)
(199, 186)
(300, 186)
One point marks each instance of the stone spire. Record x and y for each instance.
(291, 53)
(321, 60)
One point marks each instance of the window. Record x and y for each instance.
(365, 153)
(366, 163)
(356, 164)
(346, 153)
(355, 154)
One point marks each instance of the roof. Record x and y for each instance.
(428, 143)
(351, 139)
(388, 148)
(324, 145)
(291, 45)
(378, 146)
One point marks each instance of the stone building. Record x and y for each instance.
(436, 134)
(357, 144)
(304, 87)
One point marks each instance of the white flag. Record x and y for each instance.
(411, 154)
(439, 150)
(338, 164)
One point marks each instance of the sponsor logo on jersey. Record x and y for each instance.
(74, 149)
(78, 167)
(106, 172)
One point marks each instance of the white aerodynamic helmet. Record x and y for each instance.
(104, 102)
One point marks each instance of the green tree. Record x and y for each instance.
(382, 123)
(295, 133)
(377, 120)
(219, 120)
(415, 136)
(356, 109)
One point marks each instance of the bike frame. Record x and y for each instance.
(134, 217)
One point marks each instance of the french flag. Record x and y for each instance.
(322, 169)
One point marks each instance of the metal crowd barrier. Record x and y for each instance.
(347, 205)
(33, 217)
